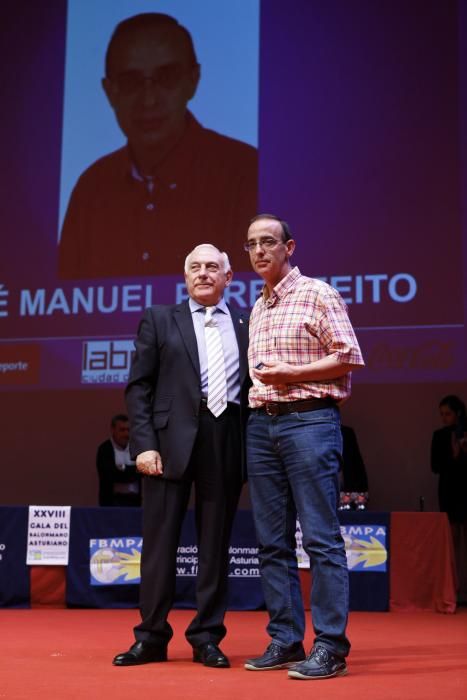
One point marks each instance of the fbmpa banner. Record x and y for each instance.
(114, 565)
(105, 556)
(115, 560)
(365, 547)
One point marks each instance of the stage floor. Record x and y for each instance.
(66, 654)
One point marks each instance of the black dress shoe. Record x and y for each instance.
(141, 653)
(210, 655)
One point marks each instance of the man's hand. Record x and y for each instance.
(275, 373)
(149, 463)
(283, 373)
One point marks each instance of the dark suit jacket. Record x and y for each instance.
(452, 485)
(110, 475)
(163, 394)
(353, 468)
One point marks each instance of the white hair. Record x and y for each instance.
(224, 256)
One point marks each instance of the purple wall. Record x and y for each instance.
(362, 150)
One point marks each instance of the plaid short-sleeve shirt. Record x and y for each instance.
(303, 320)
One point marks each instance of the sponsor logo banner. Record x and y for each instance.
(365, 547)
(117, 561)
(19, 363)
(106, 361)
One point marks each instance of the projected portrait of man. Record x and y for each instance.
(140, 209)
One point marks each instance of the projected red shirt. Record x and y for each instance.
(121, 224)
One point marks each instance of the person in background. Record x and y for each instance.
(119, 481)
(353, 475)
(449, 461)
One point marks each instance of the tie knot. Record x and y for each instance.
(209, 315)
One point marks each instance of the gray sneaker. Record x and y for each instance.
(319, 664)
(276, 657)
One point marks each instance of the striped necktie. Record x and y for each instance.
(217, 382)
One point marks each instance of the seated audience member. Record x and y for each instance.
(119, 482)
(353, 476)
(449, 461)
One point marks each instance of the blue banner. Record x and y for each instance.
(14, 573)
(366, 537)
(93, 569)
(105, 554)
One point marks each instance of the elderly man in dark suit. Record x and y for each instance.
(186, 399)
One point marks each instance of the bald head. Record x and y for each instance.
(210, 249)
(207, 274)
(131, 30)
(151, 75)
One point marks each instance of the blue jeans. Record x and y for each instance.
(293, 464)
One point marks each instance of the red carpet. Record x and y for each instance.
(66, 654)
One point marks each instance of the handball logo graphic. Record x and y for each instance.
(107, 565)
(365, 547)
(365, 553)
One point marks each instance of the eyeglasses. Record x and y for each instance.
(265, 243)
(130, 82)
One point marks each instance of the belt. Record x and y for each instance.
(281, 408)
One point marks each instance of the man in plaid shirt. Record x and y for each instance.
(302, 350)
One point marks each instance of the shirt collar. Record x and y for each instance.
(169, 170)
(282, 288)
(220, 306)
(117, 447)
